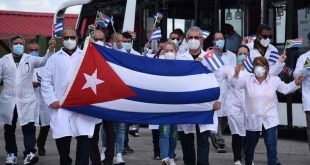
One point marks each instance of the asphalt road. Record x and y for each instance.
(290, 151)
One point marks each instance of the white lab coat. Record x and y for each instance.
(191, 128)
(132, 51)
(56, 76)
(17, 88)
(306, 82)
(234, 100)
(43, 113)
(260, 100)
(274, 69)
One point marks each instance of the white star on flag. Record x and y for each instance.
(92, 81)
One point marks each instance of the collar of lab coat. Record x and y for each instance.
(78, 50)
(254, 80)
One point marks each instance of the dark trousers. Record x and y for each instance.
(109, 129)
(188, 147)
(42, 136)
(237, 146)
(82, 150)
(126, 135)
(155, 135)
(29, 132)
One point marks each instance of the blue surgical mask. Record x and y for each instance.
(220, 44)
(35, 53)
(126, 46)
(18, 49)
(240, 58)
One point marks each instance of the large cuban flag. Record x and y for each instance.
(125, 88)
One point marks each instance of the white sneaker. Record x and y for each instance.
(119, 159)
(11, 159)
(237, 162)
(102, 154)
(171, 162)
(31, 159)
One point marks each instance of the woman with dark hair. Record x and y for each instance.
(261, 107)
(235, 103)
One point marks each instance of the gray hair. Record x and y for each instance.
(170, 43)
(14, 37)
(194, 29)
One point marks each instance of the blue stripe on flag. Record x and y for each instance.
(248, 64)
(152, 66)
(201, 96)
(203, 117)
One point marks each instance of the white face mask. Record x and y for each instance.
(193, 44)
(169, 56)
(176, 42)
(259, 71)
(99, 43)
(265, 42)
(69, 44)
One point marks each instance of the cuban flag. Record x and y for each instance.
(273, 57)
(213, 60)
(58, 27)
(120, 87)
(205, 34)
(102, 20)
(293, 43)
(248, 63)
(156, 35)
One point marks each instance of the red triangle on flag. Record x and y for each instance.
(209, 54)
(96, 82)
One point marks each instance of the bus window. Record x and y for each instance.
(182, 24)
(304, 24)
(280, 24)
(235, 18)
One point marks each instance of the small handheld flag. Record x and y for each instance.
(248, 39)
(307, 64)
(156, 35)
(205, 34)
(273, 57)
(58, 27)
(215, 62)
(248, 63)
(102, 20)
(112, 23)
(287, 71)
(293, 43)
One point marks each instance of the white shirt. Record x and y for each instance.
(191, 128)
(260, 100)
(274, 69)
(306, 82)
(56, 76)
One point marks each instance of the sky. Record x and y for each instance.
(46, 6)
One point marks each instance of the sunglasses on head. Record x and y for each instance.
(69, 37)
(195, 37)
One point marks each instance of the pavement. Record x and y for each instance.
(290, 151)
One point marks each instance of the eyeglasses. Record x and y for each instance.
(266, 36)
(195, 37)
(174, 38)
(69, 37)
(33, 50)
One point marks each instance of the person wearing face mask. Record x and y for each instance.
(304, 60)
(229, 59)
(65, 124)
(262, 47)
(18, 99)
(261, 107)
(108, 127)
(174, 37)
(183, 47)
(127, 44)
(43, 110)
(168, 133)
(235, 103)
(117, 39)
(194, 40)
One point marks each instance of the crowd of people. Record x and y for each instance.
(33, 87)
